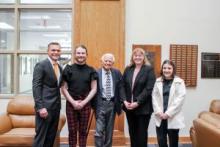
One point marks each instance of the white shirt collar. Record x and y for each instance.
(51, 61)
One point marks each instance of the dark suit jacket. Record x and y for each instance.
(116, 76)
(142, 89)
(46, 89)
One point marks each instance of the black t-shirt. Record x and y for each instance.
(78, 78)
(166, 92)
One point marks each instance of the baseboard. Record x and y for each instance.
(151, 140)
(64, 140)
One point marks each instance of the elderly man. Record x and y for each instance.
(107, 101)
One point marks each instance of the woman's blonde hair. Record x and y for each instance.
(142, 51)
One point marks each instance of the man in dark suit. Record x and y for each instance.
(46, 93)
(107, 101)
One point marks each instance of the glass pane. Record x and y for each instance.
(6, 73)
(26, 67)
(46, 1)
(7, 30)
(7, 1)
(38, 28)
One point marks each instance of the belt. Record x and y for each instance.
(107, 99)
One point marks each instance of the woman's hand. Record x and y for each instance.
(127, 104)
(76, 104)
(165, 116)
(133, 105)
(162, 115)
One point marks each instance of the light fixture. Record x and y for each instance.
(45, 27)
(6, 26)
(3, 41)
(35, 17)
(55, 35)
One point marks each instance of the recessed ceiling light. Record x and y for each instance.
(3, 41)
(6, 26)
(35, 17)
(45, 27)
(55, 35)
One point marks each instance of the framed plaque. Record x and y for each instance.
(210, 65)
(185, 58)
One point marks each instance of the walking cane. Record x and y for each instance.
(90, 122)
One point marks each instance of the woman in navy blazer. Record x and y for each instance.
(136, 88)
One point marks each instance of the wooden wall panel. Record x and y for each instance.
(99, 25)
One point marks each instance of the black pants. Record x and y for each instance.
(138, 129)
(162, 133)
(46, 129)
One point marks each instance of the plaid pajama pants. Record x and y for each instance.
(77, 122)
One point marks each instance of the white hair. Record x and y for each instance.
(109, 55)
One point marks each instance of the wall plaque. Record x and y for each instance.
(185, 58)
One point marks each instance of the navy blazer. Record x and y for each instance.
(142, 89)
(46, 89)
(116, 77)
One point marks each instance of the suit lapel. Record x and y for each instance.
(160, 87)
(100, 79)
(50, 68)
(60, 78)
(113, 79)
(172, 91)
(130, 75)
(140, 73)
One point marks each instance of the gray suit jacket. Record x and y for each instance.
(116, 76)
(46, 89)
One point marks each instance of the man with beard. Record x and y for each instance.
(79, 87)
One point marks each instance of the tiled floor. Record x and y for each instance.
(151, 145)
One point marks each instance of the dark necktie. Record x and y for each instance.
(108, 86)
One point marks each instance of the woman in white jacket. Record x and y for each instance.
(168, 96)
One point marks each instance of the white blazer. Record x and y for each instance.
(175, 102)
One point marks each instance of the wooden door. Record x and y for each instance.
(99, 25)
(153, 53)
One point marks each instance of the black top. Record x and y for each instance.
(79, 78)
(166, 92)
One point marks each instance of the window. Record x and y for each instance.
(24, 35)
(39, 27)
(46, 1)
(6, 73)
(7, 1)
(7, 29)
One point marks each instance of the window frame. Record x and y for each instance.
(16, 52)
